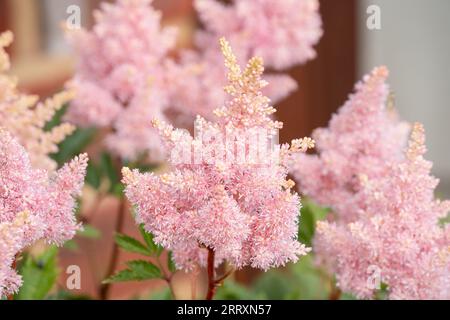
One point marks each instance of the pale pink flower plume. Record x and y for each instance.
(243, 210)
(283, 33)
(361, 137)
(34, 204)
(25, 117)
(126, 54)
(121, 60)
(397, 233)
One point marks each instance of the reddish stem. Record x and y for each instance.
(114, 261)
(13, 266)
(211, 280)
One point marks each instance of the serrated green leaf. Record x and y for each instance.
(148, 238)
(144, 269)
(131, 245)
(39, 275)
(170, 264)
(121, 276)
(139, 270)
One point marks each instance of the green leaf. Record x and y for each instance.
(164, 294)
(232, 290)
(131, 245)
(144, 269)
(93, 175)
(170, 264)
(89, 232)
(39, 275)
(121, 276)
(108, 169)
(74, 145)
(310, 213)
(56, 119)
(71, 245)
(139, 270)
(148, 238)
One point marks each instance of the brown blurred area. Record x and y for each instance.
(324, 84)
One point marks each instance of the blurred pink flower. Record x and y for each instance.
(243, 210)
(397, 233)
(283, 33)
(360, 139)
(34, 204)
(121, 60)
(24, 117)
(126, 54)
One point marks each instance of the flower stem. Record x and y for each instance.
(13, 266)
(210, 269)
(114, 260)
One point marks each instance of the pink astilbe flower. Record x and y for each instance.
(25, 117)
(360, 139)
(34, 204)
(243, 210)
(119, 61)
(283, 33)
(397, 234)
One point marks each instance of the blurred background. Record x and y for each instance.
(412, 41)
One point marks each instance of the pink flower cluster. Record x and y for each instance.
(244, 211)
(397, 234)
(120, 75)
(34, 204)
(385, 218)
(360, 139)
(283, 33)
(125, 75)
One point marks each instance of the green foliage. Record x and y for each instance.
(310, 213)
(132, 245)
(232, 290)
(66, 295)
(138, 270)
(73, 145)
(88, 232)
(164, 294)
(38, 274)
(151, 245)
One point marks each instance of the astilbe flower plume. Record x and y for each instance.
(283, 33)
(25, 117)
(120, 74)
(34, 204)
(125, 74)
(397, 233)
(360, 139)
(243, 210)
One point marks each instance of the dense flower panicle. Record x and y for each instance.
(243, 210)
(119, 61)
(282, 33)
(34, 204)
(127, 52)
(25, 118)
(360, 139)
(398, 233)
